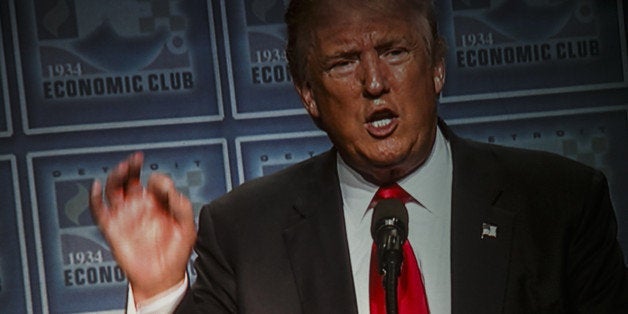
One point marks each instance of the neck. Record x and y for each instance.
(388, 175)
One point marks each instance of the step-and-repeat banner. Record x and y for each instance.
(202, 88)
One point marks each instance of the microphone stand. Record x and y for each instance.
(392, 269)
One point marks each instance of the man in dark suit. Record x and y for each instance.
(494, 230)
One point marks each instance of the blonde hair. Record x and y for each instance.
(301, 19)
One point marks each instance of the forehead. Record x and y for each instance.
(346, 24)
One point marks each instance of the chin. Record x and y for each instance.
(387, 164)
(390, 156)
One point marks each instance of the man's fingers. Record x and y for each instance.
(124, 179)
(116, 183)
(159, 185)
(166, 193)
(181, 209)
(133, 184)
(96, 204)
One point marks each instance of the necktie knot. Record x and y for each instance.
(391, 191)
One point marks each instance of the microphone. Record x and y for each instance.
(389, 229)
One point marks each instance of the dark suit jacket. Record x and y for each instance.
(278, 244)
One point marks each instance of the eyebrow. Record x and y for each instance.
(343, 54)
(352, 52)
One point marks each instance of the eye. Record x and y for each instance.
(342, 67)
(395, 55)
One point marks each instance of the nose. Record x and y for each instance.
(375, 78)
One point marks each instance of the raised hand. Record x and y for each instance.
(150, 229)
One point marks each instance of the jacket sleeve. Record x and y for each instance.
(598, 279)
(214, 288)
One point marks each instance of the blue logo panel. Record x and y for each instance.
(511, 47)
(76, 261)
(255, 37)
(89, 64)
(265, 154)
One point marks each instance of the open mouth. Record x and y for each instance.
(382, 124)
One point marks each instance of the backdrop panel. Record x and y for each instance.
(261, 155)
(74, 261)
(93, 64)
(255, 37)
(499, 48)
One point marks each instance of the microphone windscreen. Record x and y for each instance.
(388, 209)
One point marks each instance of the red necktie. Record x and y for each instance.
(410, 289)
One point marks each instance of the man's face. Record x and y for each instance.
(371, 85)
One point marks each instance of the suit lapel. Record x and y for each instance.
(316, 242)
(481, 231)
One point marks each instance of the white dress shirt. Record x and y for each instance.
(165, 302)
(428, 226)
(428, 232)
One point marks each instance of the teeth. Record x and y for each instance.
(381, 123)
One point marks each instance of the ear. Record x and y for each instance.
(439, 76)
(308, 99)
